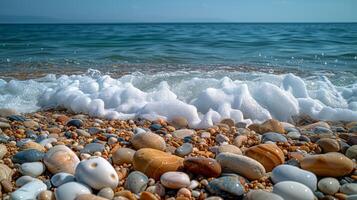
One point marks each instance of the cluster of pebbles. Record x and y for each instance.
(57, 155)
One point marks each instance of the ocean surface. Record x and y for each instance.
(206, 72)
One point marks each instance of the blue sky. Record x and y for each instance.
(178, 11)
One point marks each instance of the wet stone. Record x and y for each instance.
(30, 155)
(274, 137)
(184, 150)
(75, 122)
(226, 186)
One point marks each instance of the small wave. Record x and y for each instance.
(204, 98)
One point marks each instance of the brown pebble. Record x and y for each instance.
(207, 167)
(269, 155)
(46, 195)
(154, 162)
(127, 194)
(6, 186)
(89, 197)
(270, 125)
(328, 145)
(148, 196)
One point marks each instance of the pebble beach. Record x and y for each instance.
(55, 154)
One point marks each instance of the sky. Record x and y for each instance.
(109, 11)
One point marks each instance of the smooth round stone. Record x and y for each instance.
(184, 150)
(138, 130)
(270, 125)
(262, 195)
(83, 133)
(182, 133)
(62, 178)
(269, 155)
(3, 151)
(4, 125)
(329, 185)
(175, 180)
(328, 145)
(207, 167)
(349, 188)
(154, 163)
(291, 173)
(61, 159)
(107, 193)
(30, 155)
(33, 169)
(97, 173)
(352, 152)
(293, 135)
(33, 145)
(93, 147)
(71, 190)
(228, 121)
(75, 122)
(123, 155)
(30, 124)
(148, 140)
(136, 182)
(273, 137)
(329, 164)
(46, 195)
(47, 141)
(242, 165)
(29, 190)
(179, 122)
(229, 148)
(5, 172)
(226, 186)
(23, 180)
(293, 191)
(148, 196)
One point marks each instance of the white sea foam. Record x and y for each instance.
(203, 99)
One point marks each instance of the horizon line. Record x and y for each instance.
(108, 23)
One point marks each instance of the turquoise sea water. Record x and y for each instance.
(124, 48)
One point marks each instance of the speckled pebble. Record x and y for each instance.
(175, 180)
(329, 185)
(136, 182)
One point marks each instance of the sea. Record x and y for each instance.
(203, 71)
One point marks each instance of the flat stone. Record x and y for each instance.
(61, 178)
(17, 118)
(71, 190)
(273, 137)
(352, 152)
(30, 155)
(226, 186)
(31, 124)
(291, 173)
(123, 155)
(148, 140)
(97, 172)
(83, 133)
(220, 138)
(3, 151)
(329, 185)
(269, 155)
(270, 125)
(262, 195)
(175, 180)
(349, 188)
(5, 172)
(329, 164)
(230, 122)
(154, 163)
(293, 191)
(229, 148)
(92, 148)
(29, 191)
(241, 165)
(182, 133)
(33, 145)
(136, 182)
(328, 145)
(311, 127)
(207, 167)
(60, 158)
(184, 149)
(33, 169)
